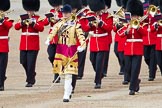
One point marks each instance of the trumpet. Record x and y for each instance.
(152, 10)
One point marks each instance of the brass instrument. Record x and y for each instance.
(6, 12)
(27, 22)
(2, 13)
(52, 19)
(134, 23)
(159, 22)
(73, 16)
(95, 23)
(119, 13)
(152, 10)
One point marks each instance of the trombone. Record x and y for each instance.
(152, 10)
(159, 22)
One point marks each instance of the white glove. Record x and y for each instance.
(98, 20)
(80, 49)
(47, 42)
(33, 20)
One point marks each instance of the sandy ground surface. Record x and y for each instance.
(112, 95)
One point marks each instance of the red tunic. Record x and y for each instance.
(4, 30)
(46, 23)
(101, 39)
(150, 36)
(159, 39)
(83, 12)
(117, 37)
(134, 42)
(30, 35)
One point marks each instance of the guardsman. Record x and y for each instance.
(82, 55)
(121, 45)
(31, 25)
(159, 40)
(5, 25)
(99, 25)
(51, 19)
(107, 7)
(66, 59)
(133, 49)
(149, 41)
(116, 39)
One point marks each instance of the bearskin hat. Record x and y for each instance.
(31, 5)
(160, 5)
(118, 2)
(55, 2)
(124, 3)
(135, 7)
(96, 5)
(4, 5)
(84, 2)
(108, 3)
(154, 2)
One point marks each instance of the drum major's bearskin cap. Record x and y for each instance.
(75, 4)
(31, 5)
(124, 3)
(55, 2)
(84, 2)
(118, 2)
(154, 2)
(135, 7)
(4, 5)
(160, 4)
(96, 5)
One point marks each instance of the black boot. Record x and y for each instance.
(151, 79)
(132, 92)
(125, 82)
(29, 85)
(138, 87)
(1, 88)
(97, 86)
(65, 100)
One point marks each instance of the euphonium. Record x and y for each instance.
(134, 23)
(152, 10)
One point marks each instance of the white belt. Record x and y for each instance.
(159, 35)
(134, 40)
(29, 34)
(3, 37)
(100, 35)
